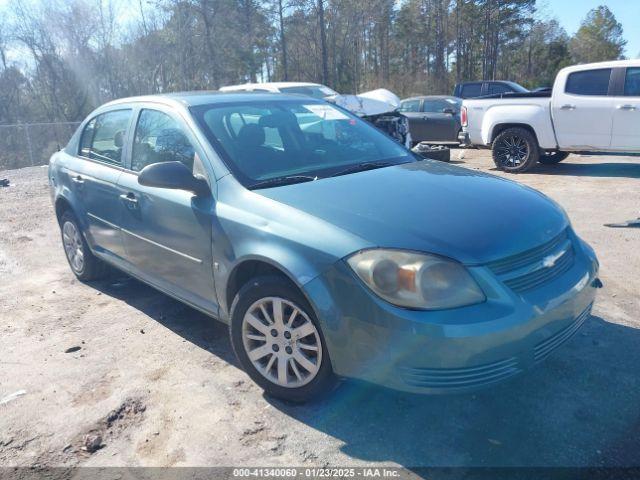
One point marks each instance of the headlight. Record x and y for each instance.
(415, 280)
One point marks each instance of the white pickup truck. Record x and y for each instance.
(591, 108)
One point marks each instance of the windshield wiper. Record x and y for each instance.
(279, 181)
(361, 167)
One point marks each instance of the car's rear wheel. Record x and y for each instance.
(515, 150)
(84, 264)
(278, 341)
(552, 158)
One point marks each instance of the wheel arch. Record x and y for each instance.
(62, 204)
(501, 127)
(248, 268)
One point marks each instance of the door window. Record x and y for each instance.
(103, 137)
(437, 106)
(495, 88)
(471, 90)
(589, 82)
(160, 138)
(410, 106)
(632, 82)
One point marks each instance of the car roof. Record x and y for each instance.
(634, 62)
(269, 85)
(190, 99)
(435, 97)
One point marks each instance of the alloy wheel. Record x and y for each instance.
(512, 151)
(282, 342)
(73, 246)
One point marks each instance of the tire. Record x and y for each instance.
(277, 366)
(515, 150)
(552, 158)
(84, 264)
(433, 152)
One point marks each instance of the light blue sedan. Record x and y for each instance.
(329, 249)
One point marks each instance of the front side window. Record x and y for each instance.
(589, 82)
(103, 137)
(266, 140)
(632, 82)
(160, 138)
(410, 106)
(496, 88)
(440, 105)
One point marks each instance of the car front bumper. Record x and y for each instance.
(450, 350)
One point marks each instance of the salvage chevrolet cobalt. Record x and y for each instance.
(328, 248)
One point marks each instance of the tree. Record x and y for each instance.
(599, 37)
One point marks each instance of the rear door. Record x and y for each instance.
(583, 110)
(626, 113)
(94, 178)
(167, 233)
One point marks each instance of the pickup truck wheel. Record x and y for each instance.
(515, 150)
(551, 158)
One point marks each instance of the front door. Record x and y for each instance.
(94, 176)
(583, 112)
(167, 233)
(626, 114)
(440, 120)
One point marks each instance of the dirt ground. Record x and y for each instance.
(159, 383)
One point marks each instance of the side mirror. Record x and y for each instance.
(450, 111)
(173, 175)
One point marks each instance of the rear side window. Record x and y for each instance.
(632, 82)
(471, 90)
(589, 82)
(160, 138)
(410, 106)
(103, 137)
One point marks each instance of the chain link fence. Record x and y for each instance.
(27, 144)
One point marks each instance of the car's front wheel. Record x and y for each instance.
(515, 150)
(278, 341)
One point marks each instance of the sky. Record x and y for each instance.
(568, 12)
(571, 12)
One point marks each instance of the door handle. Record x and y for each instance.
(77, 179)
(626, 107)
(130, 200)
(568, 107)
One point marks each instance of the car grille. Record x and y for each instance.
(452, 378)
(544, 348)
(527, 271)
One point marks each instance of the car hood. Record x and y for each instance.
(431, 207)
(366, 104)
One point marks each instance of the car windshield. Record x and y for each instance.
(315, 91)
(266, 143)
